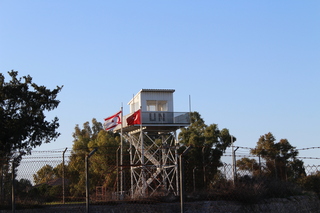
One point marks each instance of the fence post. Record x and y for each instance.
(13, 186)
(275, 168)
(181, 183)
(182, 190)
(63, 177)
(194, 179)
(234, 163)
(1, 184)
(204, 168)
(13, 198)
(87, 178)
(259, 165)
(117, 162)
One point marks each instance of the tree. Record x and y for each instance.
(79, 151)
(249, 165)
(48, 183)
(209, 143)
(311, 182)
(23, 125)
(102, 164)
(22, 120)
(44, 175)
(280, 157)
(58, 170)
(22, 187)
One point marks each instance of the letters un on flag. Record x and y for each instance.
(112, 121)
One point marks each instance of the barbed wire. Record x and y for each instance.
(309, 148)
(45, 157)
(242, 147)
(69, 149)
(43, 161)
(314, 158)
(49, 151)
(228, 153)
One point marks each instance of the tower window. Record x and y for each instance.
(153, 105)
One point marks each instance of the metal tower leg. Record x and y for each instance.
(154, 165)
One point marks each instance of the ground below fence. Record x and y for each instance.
(295, 204)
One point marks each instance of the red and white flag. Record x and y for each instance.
(111, 122)
(135, 118)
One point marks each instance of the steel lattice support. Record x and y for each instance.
(154, 163)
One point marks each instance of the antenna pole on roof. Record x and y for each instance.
(189, 103)
(134, 107)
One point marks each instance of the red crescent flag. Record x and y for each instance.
(135, 118)
(111, 122)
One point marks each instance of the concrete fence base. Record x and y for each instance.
(295, 204)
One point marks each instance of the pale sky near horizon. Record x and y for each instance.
(250, 66)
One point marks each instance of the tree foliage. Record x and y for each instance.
(209, 143)
(44, 175)
(248, 164)
(311, 182)
(280, 159)
(48, 183)
(22, 105)
(102, 164)
(269, 149)
(23, 124)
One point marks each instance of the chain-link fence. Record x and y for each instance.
(106, 181)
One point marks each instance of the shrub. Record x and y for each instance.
(311, 183)
(252, 190)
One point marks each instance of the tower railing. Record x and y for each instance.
(157, 118)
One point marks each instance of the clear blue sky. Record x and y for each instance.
(250, 66)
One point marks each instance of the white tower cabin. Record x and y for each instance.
(153, 142)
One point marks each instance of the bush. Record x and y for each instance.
(252, 190)
(311, 183)
(45, 193)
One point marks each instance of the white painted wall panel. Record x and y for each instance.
(140, 99)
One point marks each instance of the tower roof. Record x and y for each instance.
(157, 90)
(151, 90)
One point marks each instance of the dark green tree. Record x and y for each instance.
(281, 157)
(48, 183)
(23, 186)
(23, 124)
(250, 165)
(102, 164)
(80, 149)
(44, 175)
(58, 170)
(311, 182)
(209, 143)
(22, 105)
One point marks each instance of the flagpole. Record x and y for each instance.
(121, 155)
(134, 105)
(144, 184)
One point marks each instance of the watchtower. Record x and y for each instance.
(150, 128)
